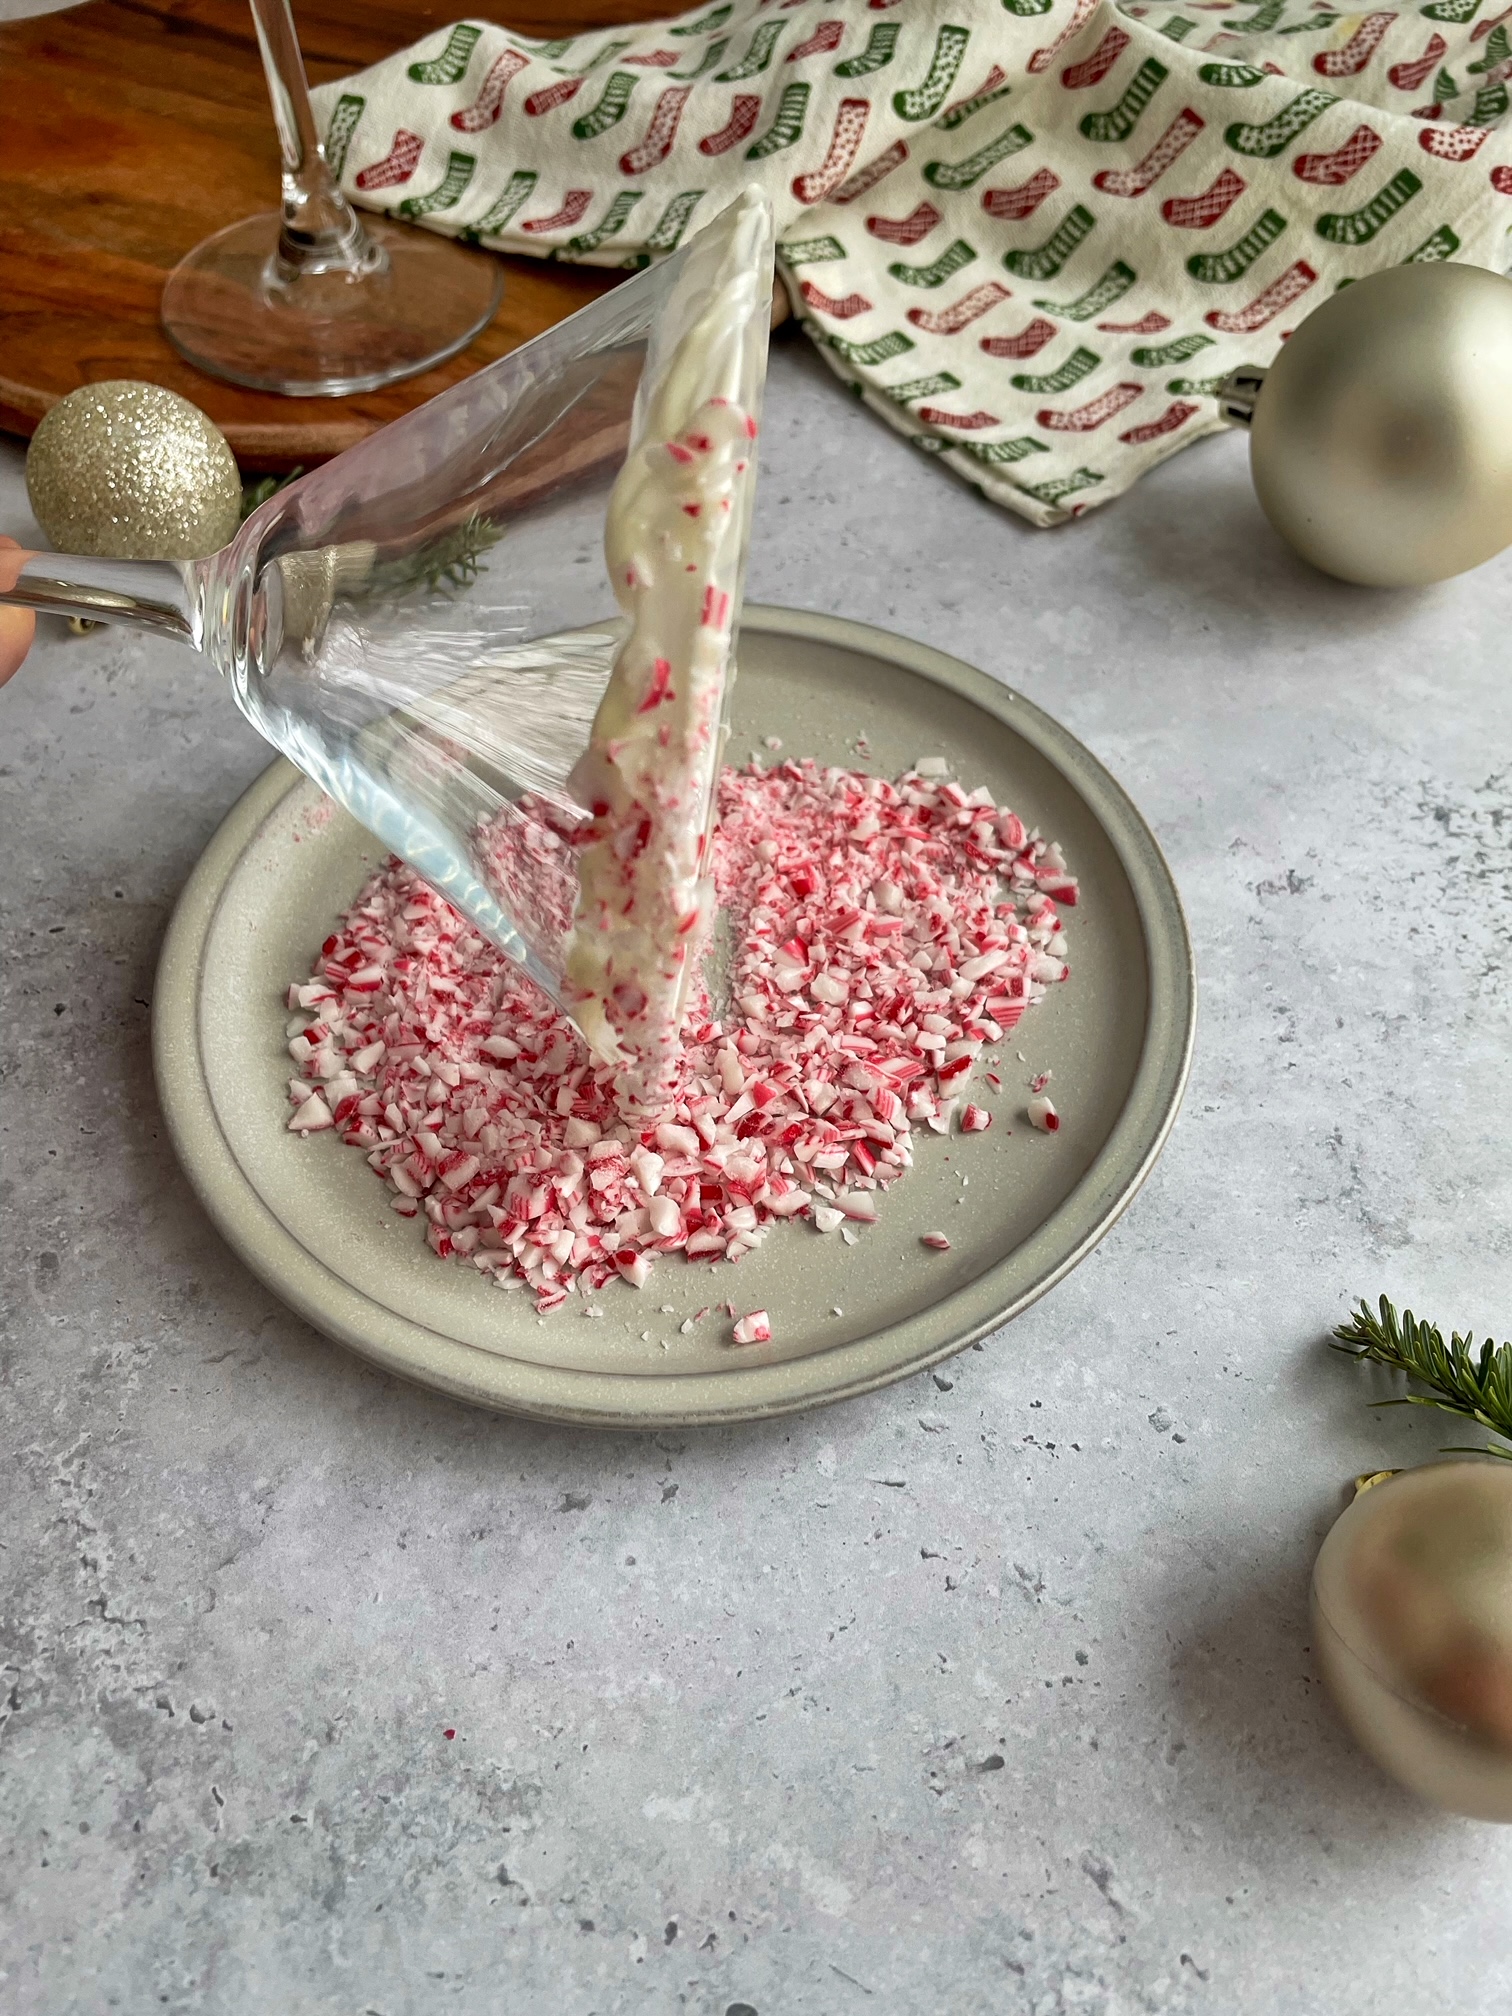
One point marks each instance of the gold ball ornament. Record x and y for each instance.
(1412, 1615)
(132, 472)
(1381, 436)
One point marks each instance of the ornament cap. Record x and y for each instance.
(1238, 393)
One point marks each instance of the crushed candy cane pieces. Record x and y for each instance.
(1042, 1114)
(935, 1239)
(753, 1329)
(883, 935)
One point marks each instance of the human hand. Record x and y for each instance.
(17, 626)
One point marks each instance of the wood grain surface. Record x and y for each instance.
(131, 130)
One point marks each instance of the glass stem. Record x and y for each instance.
(158, 595)
(321, 232)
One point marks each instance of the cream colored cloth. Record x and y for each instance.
(1033, 235)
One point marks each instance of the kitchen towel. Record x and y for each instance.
(1033, 235)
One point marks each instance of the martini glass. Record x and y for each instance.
(308, 299)
(426, 626)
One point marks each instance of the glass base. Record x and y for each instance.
(226, 309)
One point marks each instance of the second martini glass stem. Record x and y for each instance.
(321, 232)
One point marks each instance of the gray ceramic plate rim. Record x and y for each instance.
(622, 1400)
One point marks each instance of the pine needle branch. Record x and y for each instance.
(450, 561)
(258, 491)
(1475, 1384)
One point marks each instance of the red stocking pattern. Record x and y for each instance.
(1331, 171)
(1412, 76)
(660, 134)
(740, 125)
(1096, 413)
(1041, 60)
(1454, 143)
(838, 311)
(1028, 342)
(1147, 325)
(826, 37)
(574, 209)
(1201, 213)
(951, 321)
(1077, 76)
(489, 102)
(1168, 149)
(397, 165)
(1357, 51)
(961, 423)
(845, 143)
(1176, 415)
(867, 179)
(541, 102)
(1292, 285)
(905, 230)
(1014, 205)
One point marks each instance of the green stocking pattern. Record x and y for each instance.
(1099, 297)
(514, 193)
(344, 122)
(1076, 367)
(881, 45)
(448, 191)
(450, 67)
(787, 127)
(1358, 227)
(961, 174)
(1004, 451)
(757, 56)
(925, 100)
(950, 261)
(1221, 269)
(609, 110)
(1159, 356)
(614, 221)
(1045, 261)
(1119, 121)
(1274, 136)
(878, 351)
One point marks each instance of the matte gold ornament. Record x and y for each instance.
(1412, 1611)
(132, 472)
(1381, 436)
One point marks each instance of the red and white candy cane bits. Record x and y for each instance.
(881, 937)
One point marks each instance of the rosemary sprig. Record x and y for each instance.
(259, 491)
(451, 560)
(1460, 1379)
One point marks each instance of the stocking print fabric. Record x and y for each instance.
(1033, 235)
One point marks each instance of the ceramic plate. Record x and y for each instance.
(1020, 1207)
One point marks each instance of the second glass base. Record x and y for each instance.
(333, 332)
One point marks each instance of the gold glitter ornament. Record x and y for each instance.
(130, 471)
(1381, 436)
(1412, 1615)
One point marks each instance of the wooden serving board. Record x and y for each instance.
(132, 129)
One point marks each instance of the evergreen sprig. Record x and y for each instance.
(450, 561)
(1476, 1384)
(258, 491)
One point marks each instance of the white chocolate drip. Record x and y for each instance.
(675, 543)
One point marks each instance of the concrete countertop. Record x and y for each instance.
(735, 1728)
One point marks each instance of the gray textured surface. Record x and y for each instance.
(1036, 1730)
